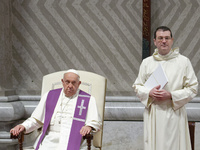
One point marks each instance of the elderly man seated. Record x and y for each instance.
(65, 114)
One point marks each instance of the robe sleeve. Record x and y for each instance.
(31, 124)
(138, 86)
(93, 119)
(37, 118)
(189, 90)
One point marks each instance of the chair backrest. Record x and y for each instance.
(91, 83)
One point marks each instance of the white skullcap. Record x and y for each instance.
(73, 71)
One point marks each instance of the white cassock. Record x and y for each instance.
(57, 135)
(165, 122)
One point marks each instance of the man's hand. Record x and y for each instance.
(157, 94)
(85, 130)
(17, 129)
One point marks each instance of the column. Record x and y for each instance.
(146, 41)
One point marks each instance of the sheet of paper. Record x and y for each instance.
(158, 77)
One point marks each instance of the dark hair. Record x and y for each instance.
(163, 28)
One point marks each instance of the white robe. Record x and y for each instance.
(58, 132)
(165, 122)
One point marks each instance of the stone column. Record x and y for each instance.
(6, 87)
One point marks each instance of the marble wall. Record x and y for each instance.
(6, 86)
(101, 36)
(43, 36)
(127, 135)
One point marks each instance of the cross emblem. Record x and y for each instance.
(81, 107)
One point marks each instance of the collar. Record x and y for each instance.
(71, 97)
(172, 54)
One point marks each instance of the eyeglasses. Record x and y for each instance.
(167, 38)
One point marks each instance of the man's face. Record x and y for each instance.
(70, 83)
(163, 42)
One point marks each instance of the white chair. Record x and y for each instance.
(91, 83)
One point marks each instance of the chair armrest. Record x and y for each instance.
(89, 138)
(20, 138)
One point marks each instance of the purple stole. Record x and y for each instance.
(78, 120)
